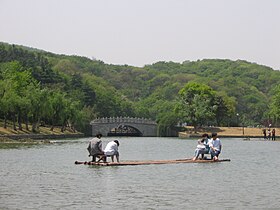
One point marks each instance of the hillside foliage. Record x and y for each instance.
(38, 87)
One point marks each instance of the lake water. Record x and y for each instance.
(45, 177)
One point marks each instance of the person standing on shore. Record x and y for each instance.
(264, 134)
(215, 146)
(273, 134)
(268, 133)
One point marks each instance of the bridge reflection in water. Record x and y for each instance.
(124, 126)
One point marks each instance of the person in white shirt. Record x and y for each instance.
(215, 146)
(111, 150)
(202, 147)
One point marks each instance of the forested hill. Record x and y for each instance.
(72, 90)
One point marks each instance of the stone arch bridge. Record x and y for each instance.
(124, 126)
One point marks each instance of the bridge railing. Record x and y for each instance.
(122, 120)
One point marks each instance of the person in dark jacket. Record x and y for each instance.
(95, 148)
(273, 134)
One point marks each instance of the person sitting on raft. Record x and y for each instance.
(111, 150)
(202, 147)
(215, 146)
(95, 147)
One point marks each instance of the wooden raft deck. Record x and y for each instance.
(148, 162)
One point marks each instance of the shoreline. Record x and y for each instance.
(41, 136)
(183, 136)
(227, 132)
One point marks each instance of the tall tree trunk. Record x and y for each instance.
(35, 122)
(52, 127)
(19, 121)
(195, 128)
(14, 122)
(34, 127)
(38, 124)
(62, 128)
(73, 128)
(5, 121)
(26, 123)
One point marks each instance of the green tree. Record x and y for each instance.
(40, 107)
(200, 105)
(167, 119)
(275, 104)
(15, 87)
(75, 115)
(57, 108)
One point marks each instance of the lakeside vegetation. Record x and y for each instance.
(43, 129)
(41, 88)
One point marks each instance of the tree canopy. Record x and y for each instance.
(201, 105)
(41, 87)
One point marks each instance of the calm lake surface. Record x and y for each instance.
(45, 176)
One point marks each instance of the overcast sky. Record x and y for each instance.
(139, 32)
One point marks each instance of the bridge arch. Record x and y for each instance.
(137, 126)
(125, 130)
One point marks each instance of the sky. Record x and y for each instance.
(141, 32)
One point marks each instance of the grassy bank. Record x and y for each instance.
(10, 138)
(44, 130)
(226, 132)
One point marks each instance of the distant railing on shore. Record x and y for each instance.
(123, 120)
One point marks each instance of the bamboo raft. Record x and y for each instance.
(148, 162)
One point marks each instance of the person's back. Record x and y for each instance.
(111, 150)
(95, 147)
